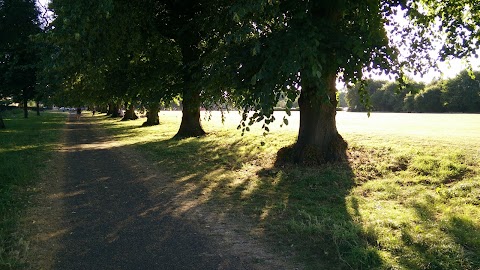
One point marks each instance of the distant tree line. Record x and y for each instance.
(459, 94)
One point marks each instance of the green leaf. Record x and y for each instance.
(289, 104)
(253, 81)
(236, 18)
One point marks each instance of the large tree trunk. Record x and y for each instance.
(25, 107)
(152, 115)
(2, 124)
(190, 126)
(103, 109)
(129, 113)
(110, 109)
(115, 110)
(318, 140)
(38, 107)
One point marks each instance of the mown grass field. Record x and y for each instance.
(24, 147)
(409, 198)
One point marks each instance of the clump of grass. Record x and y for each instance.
(24, 146)
(441, 169)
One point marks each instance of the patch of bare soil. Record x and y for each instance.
(74, 221)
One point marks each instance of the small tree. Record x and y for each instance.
(358, 101)
(430, 99)
(462, 93)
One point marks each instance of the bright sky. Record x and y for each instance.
(448, 70)
(43, 2)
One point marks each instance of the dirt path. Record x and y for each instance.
(103, 207)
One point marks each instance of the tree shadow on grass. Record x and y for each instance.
(300, 210)
(467, 235)
(458, 247)
(305, 210)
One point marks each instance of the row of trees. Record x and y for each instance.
(245, 53)
(459, 94)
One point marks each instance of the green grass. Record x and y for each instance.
(408, 198)
(24, 147)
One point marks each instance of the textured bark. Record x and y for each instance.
(25, 107)
(130, 113)
(2, 124)
(38, 107)
(152, 116)
(110, 109)
(104, 109)
(190, 126)
(318, 140)
(114, 107)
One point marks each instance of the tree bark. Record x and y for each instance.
(38, 107)
(113, 109)
(130, 113)
(2, 124)
(110, 109)
(318, 140)
(25, 107)
(190, 126)
(103, 109)
(152, 115)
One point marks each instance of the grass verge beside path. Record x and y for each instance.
(408, 198)
(24, 147)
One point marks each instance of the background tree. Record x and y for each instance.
(462, 93)
(190, 24)
(18, 54)
(360, 103)
(430, 99)
(342, 99)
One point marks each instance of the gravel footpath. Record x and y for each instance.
(107, 209)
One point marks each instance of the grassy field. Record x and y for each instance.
(408, 198)
(24, 147)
